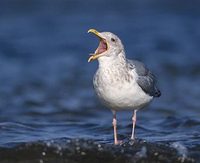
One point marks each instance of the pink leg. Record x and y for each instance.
(134, 122)
(116, 142)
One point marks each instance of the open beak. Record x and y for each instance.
(103, 45)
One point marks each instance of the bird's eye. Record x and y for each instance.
(112, 39)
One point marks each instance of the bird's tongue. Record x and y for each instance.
(102, 47)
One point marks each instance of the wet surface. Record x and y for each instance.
(46, 93)
(79, 150)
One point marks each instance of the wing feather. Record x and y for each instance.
(146, 80)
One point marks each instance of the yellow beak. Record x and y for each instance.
(94, 56)
(95, 32)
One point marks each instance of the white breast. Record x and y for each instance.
(118, 91)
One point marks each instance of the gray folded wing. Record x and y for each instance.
(146, 80)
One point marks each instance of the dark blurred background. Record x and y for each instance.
(46, 83)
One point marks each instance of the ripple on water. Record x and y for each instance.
(46, 98)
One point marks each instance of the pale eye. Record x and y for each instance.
(113, 40)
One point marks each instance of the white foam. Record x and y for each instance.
(181, 149)
(142, 153)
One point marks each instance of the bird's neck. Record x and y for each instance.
(114, 69)
(108, 62)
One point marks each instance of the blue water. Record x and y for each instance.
(46, 87)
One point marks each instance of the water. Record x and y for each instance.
(48, 109)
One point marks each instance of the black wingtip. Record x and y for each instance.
(157, 93)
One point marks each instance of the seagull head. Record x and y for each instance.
(109, 45)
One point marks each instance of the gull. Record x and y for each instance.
(120, 83)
